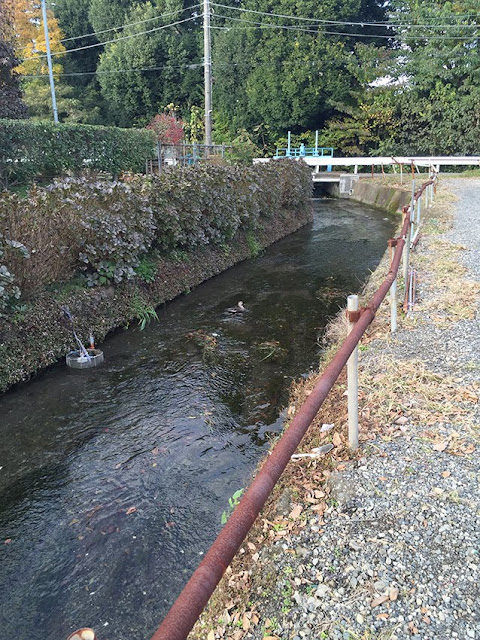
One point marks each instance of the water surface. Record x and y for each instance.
(113, 482)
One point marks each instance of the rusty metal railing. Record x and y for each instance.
(196, 593)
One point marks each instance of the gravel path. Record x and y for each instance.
(397, 554)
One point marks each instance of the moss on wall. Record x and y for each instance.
(380, 196)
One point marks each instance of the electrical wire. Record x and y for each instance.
(264, 25)
(122, 26)
(192, 65)
(100, 44)
(198, 65)
(342, 23)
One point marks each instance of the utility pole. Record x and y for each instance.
(207, 52)
(49, 59)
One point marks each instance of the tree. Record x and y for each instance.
(11, 103)
(30, 40)
(168, 129)
(73, 19)
(140, 73)
(295, 77)
(437, 78)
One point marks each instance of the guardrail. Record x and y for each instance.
(302, 151)
(196, 593)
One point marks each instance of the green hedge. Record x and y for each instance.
(30, 149)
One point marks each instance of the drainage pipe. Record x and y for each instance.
(196, 593)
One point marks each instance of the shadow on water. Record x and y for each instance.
(113, 482)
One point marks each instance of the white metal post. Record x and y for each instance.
(352, 382)
(408, 239)
(393, 295)
(49, 61)
(207, 55)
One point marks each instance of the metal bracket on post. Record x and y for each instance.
(353, 313)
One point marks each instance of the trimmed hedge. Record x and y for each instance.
(30, 149)
(103, 228)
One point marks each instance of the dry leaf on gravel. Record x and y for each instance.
(378, 601)
(296, 511)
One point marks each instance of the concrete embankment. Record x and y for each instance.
(383, 544)
(37, 335)
(382, 196)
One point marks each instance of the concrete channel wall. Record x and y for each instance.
(381, 196)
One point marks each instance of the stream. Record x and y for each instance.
(113, 481)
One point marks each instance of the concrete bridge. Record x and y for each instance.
(341, 183)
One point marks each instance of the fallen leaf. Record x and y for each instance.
(446, 474)
(131, 510)
(377, 601)
(7, 541)
(383, 616)
(337, 440)
(393, 593)
(440, 446)
(211, 635)
(245, 623)
(413, 628)
(401, 420)
(296, 511)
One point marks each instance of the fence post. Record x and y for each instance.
(408, 239)
(352, 378)
(159, 158)
(393, 292)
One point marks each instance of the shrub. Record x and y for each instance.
(113, 226)
(46, 225)
(105, 227)
(31, 149)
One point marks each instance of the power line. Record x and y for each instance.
(193, 65)
(266, 25)
(339, 22)
(199, 65)
(100, 44)
(122, 26)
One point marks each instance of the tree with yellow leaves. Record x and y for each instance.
(30, 48)
(30, 38)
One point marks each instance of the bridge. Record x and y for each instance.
(323, 165)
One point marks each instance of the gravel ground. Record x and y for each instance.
(397, 554)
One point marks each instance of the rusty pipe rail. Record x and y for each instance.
(196, 593)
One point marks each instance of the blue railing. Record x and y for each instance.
(303, 151)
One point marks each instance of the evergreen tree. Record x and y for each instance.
(11, 103)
